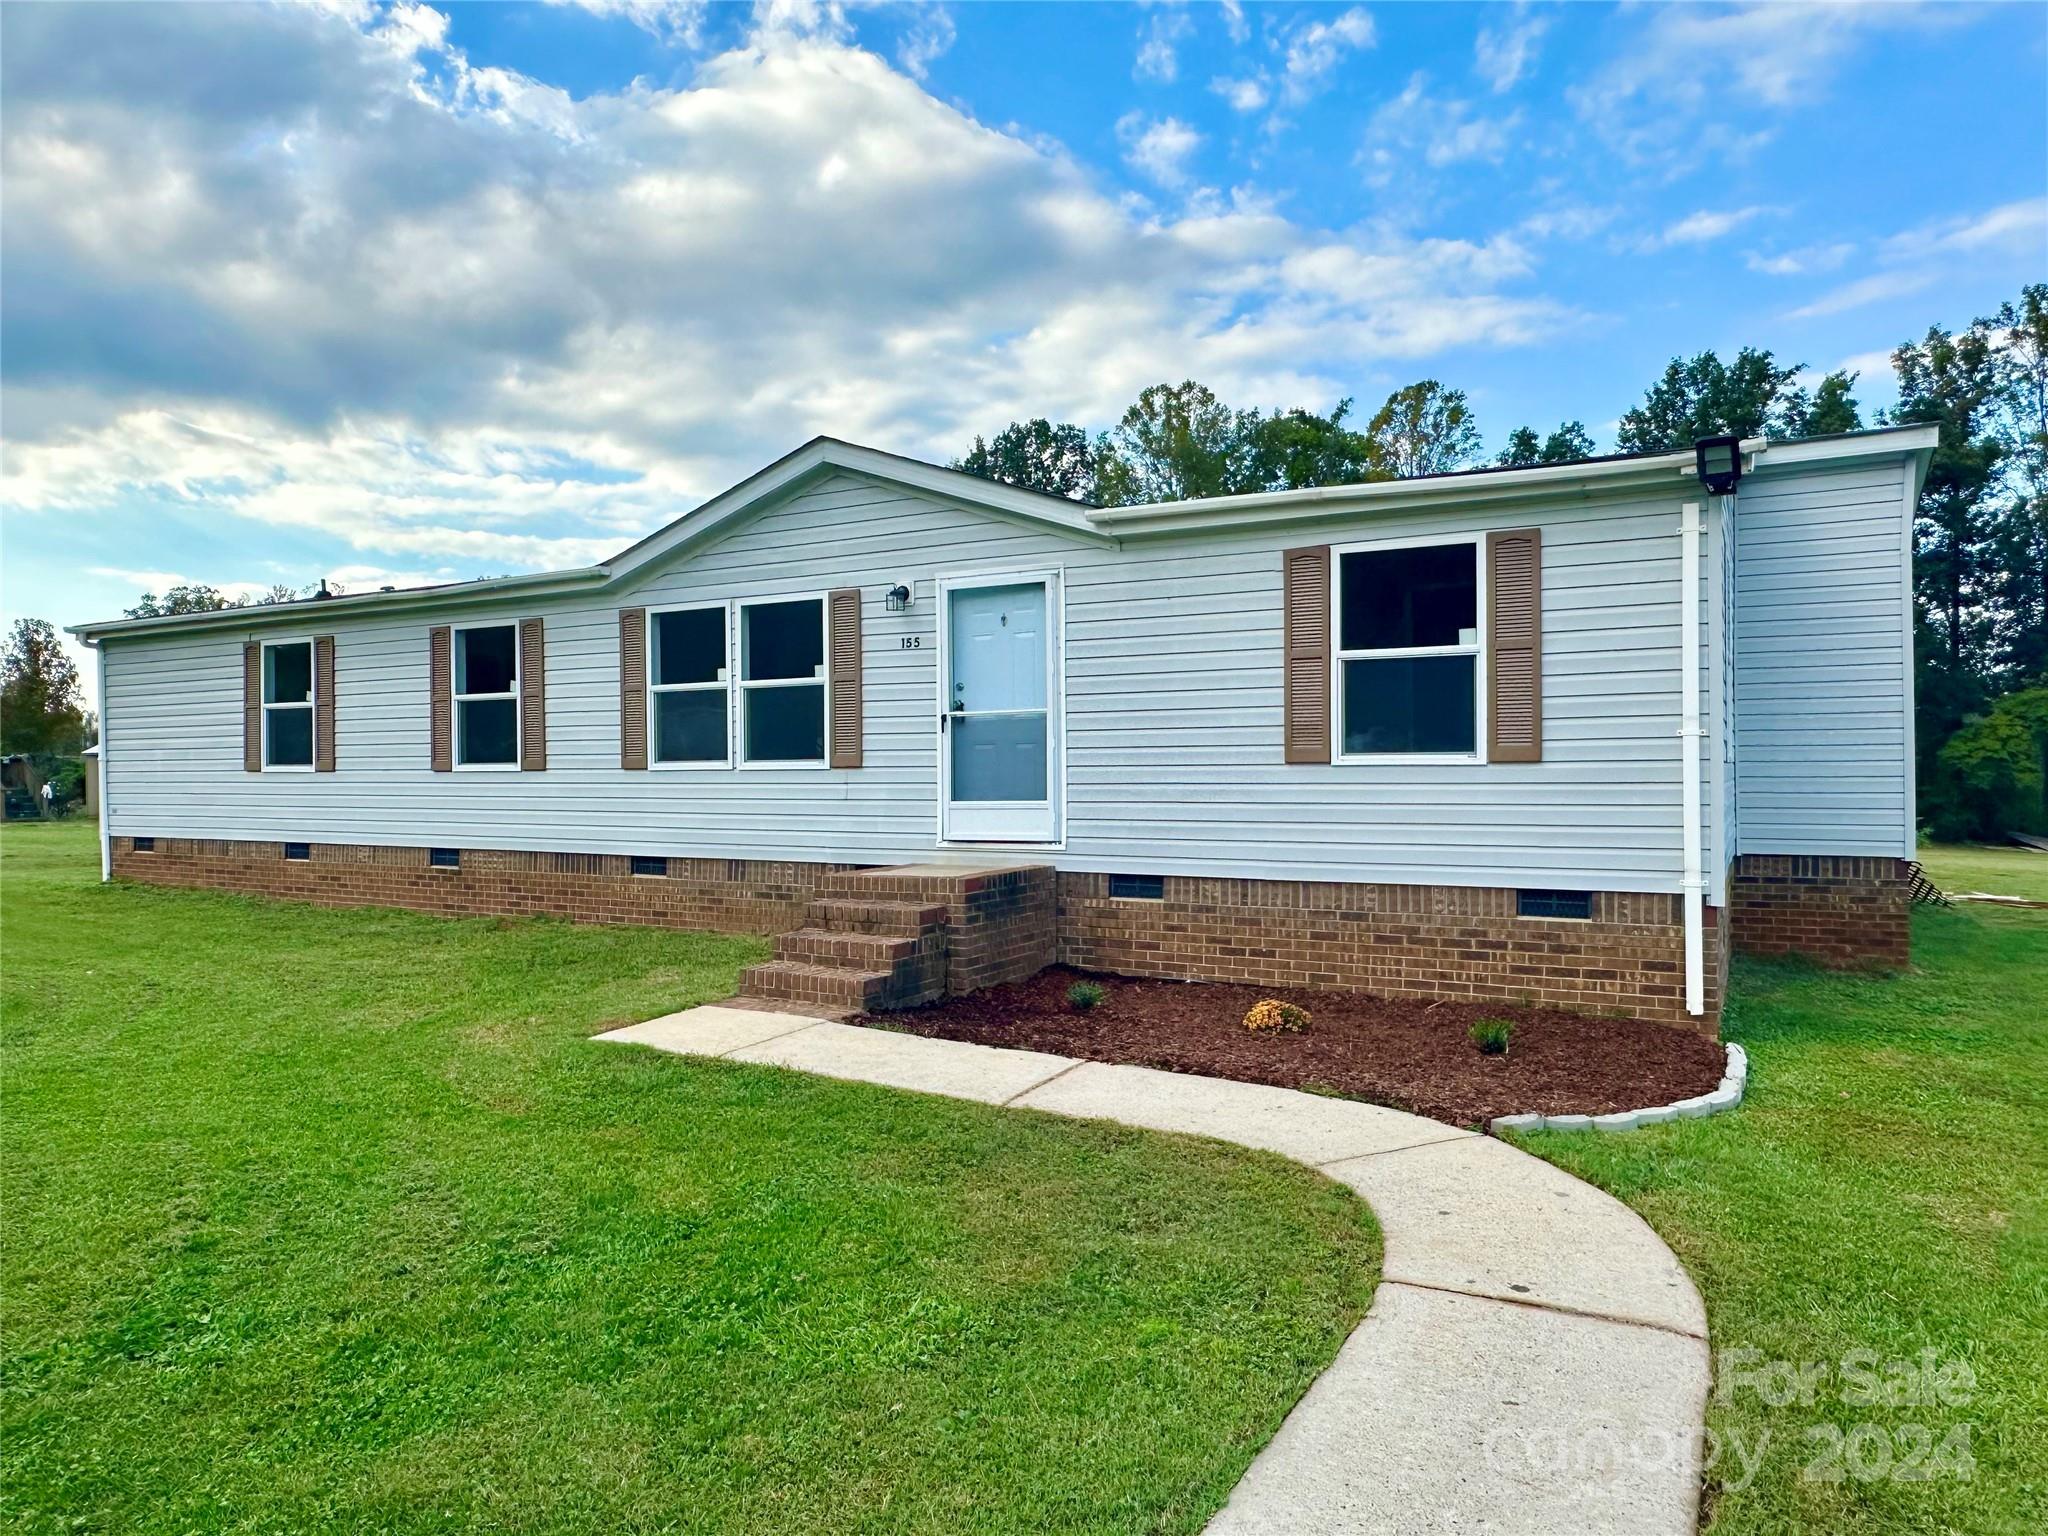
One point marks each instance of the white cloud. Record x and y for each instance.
(1503, 55)
(1247, 94)
(1159, 45)
(1801, 262)
(1315, 50)
(2019, 227)
(1569, 221)
(1704, 226)
(1438, 131)
(929, 38)
(1916, 259)
(680, 21)
(1234, 21)
(327, 276)
(1696, 79)
(1158, 149)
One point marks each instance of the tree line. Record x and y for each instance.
(1980, 569)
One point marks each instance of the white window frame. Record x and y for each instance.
(456, 699)
(741, 686)
(311, 706)
(724, 684)
(1476, 650)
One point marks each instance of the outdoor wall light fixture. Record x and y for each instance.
(1720, 463)
(898, 599)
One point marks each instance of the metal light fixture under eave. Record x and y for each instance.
(1720, 463)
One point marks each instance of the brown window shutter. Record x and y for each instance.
(843, 669)
(1514, 646)
(252, 708)
(1306, 635)
(533, 697)
(440, 697)
(632, 687)
(323, 703)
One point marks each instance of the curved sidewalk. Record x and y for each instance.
(1534, 1361)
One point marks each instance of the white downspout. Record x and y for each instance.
(1690, 732)
(106, 840)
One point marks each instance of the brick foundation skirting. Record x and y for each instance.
(1395, 940)
(711, 895)
(1003, 925)
(1848, 913)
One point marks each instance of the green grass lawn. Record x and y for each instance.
(1881, 1189)
(324, 1220)
(2021, 872)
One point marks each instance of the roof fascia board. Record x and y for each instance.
(1291, 508)
(367, 604)
(1892, 442)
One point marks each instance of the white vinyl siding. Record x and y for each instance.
(1823, 662)
(1172, 701)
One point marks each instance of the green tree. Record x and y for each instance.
(41, 709)
(1297, 449)
(1994, 772)
(1570, 442)
(1037, 455)
(194, 597)
(1833, 408)
(1750, 397)
(1424, 429)
(1178, 442)
(1949, 381)
(2019, 540)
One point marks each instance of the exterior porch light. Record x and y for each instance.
(898, 598)
(1720, 463)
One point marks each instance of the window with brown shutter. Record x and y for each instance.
(1305, 625)
(843, 669)
(252, 708)
(1514, 666)
(633, 688)
(533, 697)
(323, 703)
(440, 698)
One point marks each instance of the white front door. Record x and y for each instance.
(998, 728)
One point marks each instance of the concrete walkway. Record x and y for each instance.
(1534, 1361)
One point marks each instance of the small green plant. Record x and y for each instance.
(1273, 1014)
(1491, 1036)
(1083, 995)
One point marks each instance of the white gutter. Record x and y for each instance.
(1690, 733)
(106, 839)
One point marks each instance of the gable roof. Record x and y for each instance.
(1109, 526)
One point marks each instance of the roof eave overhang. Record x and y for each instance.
(311, 610)
(1383, 497)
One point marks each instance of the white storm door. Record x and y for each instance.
(997, 726)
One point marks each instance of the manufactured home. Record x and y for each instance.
(1560, 735)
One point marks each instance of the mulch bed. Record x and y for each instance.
(1407, 1052)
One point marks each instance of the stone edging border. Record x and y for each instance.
(1734, 1079)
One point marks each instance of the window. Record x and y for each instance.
(1138, 887)
(688, 718)
(1409, 639)
(487, 696)
(444, 858)
(782, 681)
(650, 864)
(298, 852)
(288, 704)
(1572, 904)
(143, 844)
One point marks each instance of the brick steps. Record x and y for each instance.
(856, 914)
(832, 986)
(856, 949)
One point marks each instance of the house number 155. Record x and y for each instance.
(911, 643)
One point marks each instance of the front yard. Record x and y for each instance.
(334, 1221)
(1884, 1188)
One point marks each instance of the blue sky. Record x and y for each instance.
(393, 294)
